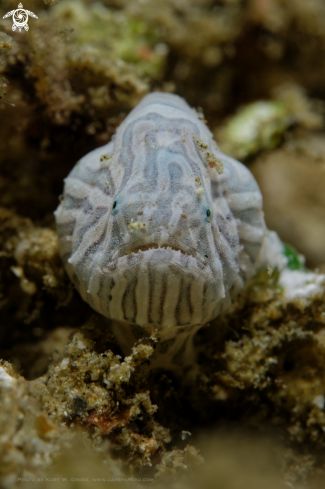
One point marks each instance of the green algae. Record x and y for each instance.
(260, 125)
(114, 35)
(295, 260)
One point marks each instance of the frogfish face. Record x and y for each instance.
(150, 232)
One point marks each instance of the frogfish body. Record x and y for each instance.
(159, 228)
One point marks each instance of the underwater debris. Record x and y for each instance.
(85, 62)
(265, 350)
(106, 157)
(28, 437)
(262, 125)
(258, 126)
(210, 158)
(136, 225)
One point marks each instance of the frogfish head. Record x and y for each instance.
(150, 232)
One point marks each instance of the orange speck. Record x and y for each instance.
(43, 424)
(144, 53)
(106, 421)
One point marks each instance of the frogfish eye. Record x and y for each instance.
(208, 213)
(114, 204)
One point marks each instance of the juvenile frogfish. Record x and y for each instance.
(159, 228)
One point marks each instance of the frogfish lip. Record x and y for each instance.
(153, 247)
(161, 284)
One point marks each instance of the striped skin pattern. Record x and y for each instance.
(152, 235)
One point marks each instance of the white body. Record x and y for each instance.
(152, 235)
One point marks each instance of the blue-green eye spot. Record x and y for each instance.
(114, 204)
(208, 214)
